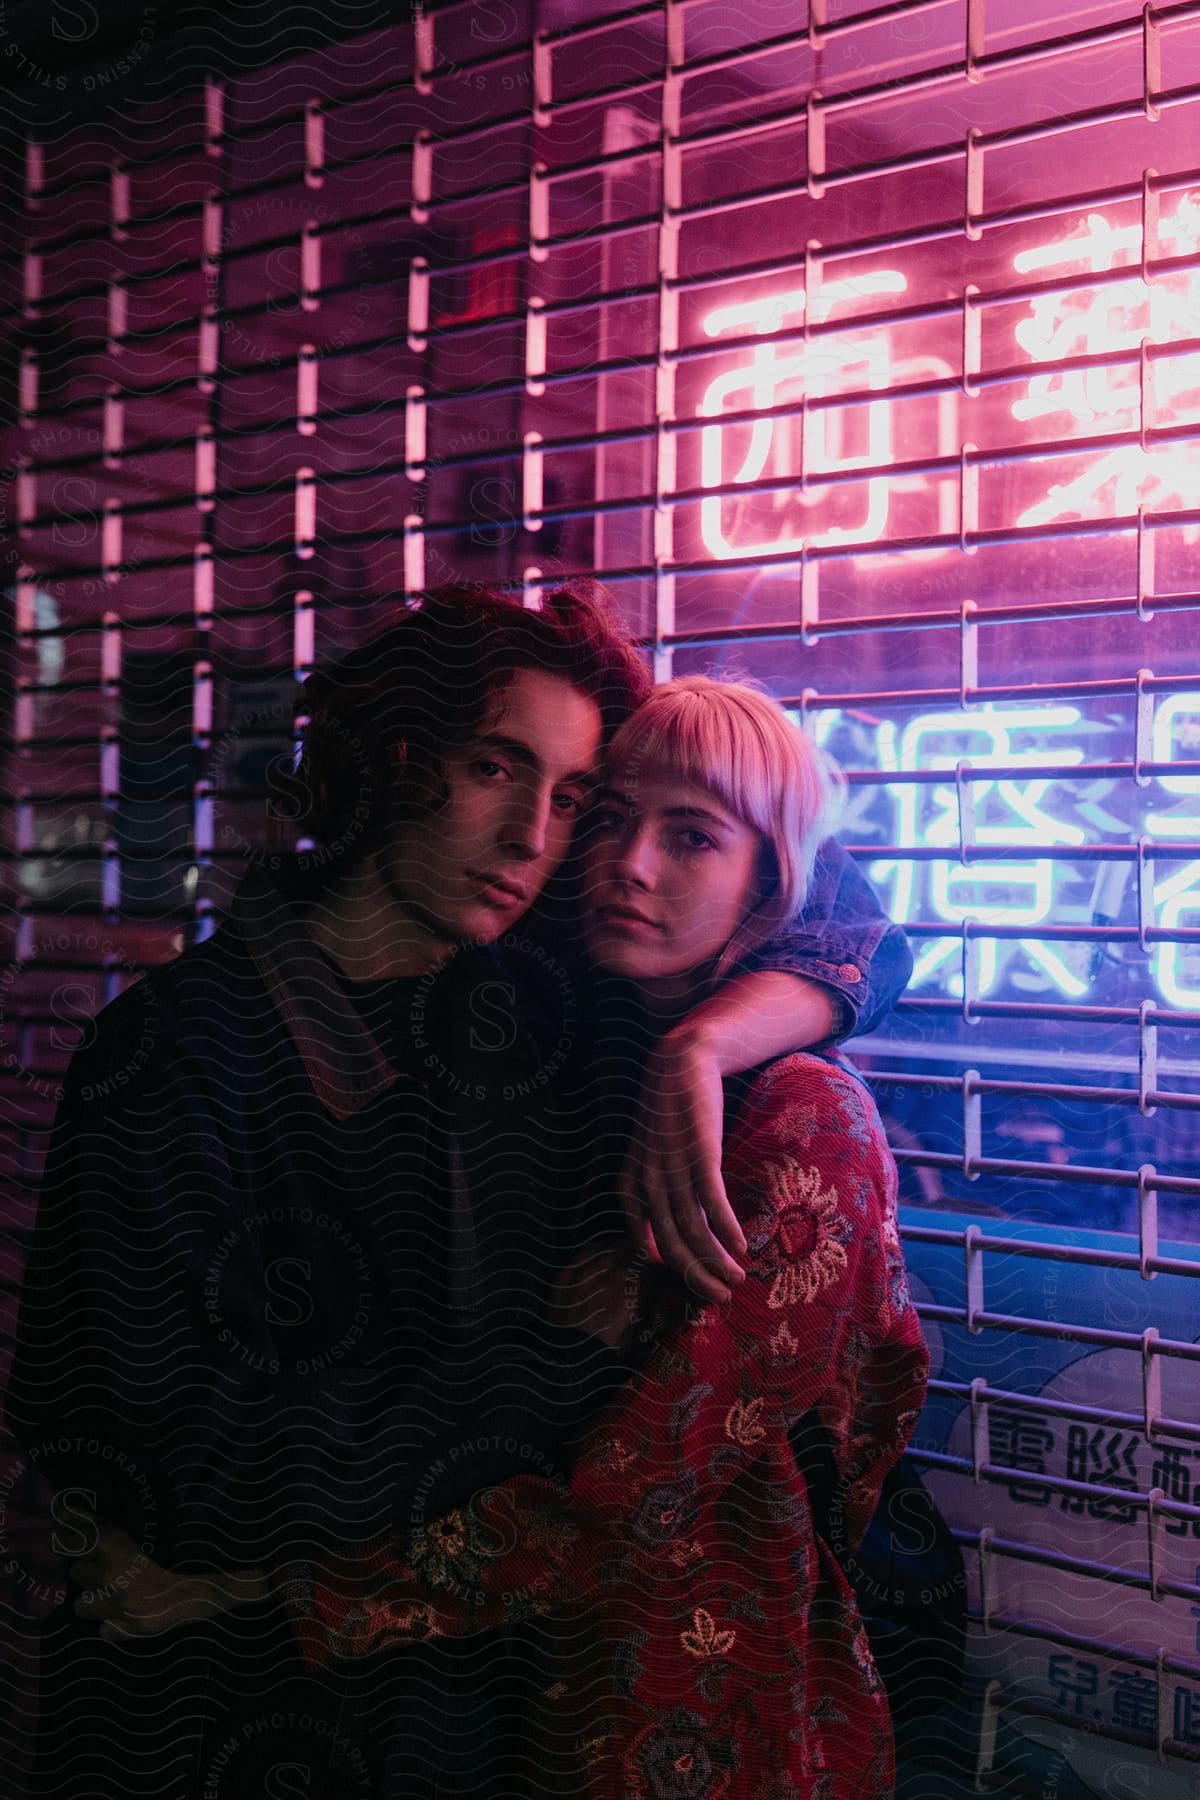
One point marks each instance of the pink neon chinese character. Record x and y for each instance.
(1118, 315)
(776, 375)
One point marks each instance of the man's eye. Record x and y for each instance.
(605, 819)
(569, 804)
(487, 766)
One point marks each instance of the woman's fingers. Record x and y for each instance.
(696, 1194)
(699, 1266)
(675, 1168)
(656, 1218)
(696, 1146)
(143, 1615)
(679, 1190)
(711, 1207)
(636, 1216)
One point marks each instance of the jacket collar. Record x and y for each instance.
(340, 1053)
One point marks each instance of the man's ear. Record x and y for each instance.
(418, 780)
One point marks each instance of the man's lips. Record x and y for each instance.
(502, 889)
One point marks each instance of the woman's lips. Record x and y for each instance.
(622, 918)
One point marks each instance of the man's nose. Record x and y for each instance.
(527, 826)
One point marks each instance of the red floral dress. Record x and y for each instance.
(711, 1644)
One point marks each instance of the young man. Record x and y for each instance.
(299, 1217)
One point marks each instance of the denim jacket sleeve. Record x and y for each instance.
(844, 940)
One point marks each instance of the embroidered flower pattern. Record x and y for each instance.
(682, 1555)
(439, 1551)
(452, 1550)
(906, 1424)
(549, 1531)
(743, 1423)
(592, 1749)
(704, 1639)
(798, 1124)
(801, 1226)
(860, 1648)
(680, 1758)
(666, 1511)
(383, 1619)
(616, 1456)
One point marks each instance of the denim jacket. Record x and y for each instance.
(844, 940)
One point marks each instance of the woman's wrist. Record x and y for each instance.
(755, 1018)
(694, 1038)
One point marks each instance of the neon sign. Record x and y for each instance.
(1008, 810)
(1176, 731)
(1117, 316)
(1085, 321)
(778, 375)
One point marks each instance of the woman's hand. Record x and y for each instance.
(671, 1186)
(133, 1597)
(600, 1293)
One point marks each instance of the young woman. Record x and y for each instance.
(708, 1640)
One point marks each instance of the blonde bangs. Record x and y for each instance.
(704, 738)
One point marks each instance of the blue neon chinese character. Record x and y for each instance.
(1007, 811)
(1176, 737)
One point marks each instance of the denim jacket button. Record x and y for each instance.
(848, 972)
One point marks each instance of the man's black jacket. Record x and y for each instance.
(287, 1291)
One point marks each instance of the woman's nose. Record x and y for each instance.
(636, 862)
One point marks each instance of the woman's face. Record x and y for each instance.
(669, 876)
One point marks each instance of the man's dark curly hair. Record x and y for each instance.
(380, 718)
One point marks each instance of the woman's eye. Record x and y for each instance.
(604, 819)
(698, 840)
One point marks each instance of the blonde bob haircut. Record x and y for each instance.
(736, 741)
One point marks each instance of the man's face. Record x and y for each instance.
(516, 791)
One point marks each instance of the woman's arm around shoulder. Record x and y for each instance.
(836, 969)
